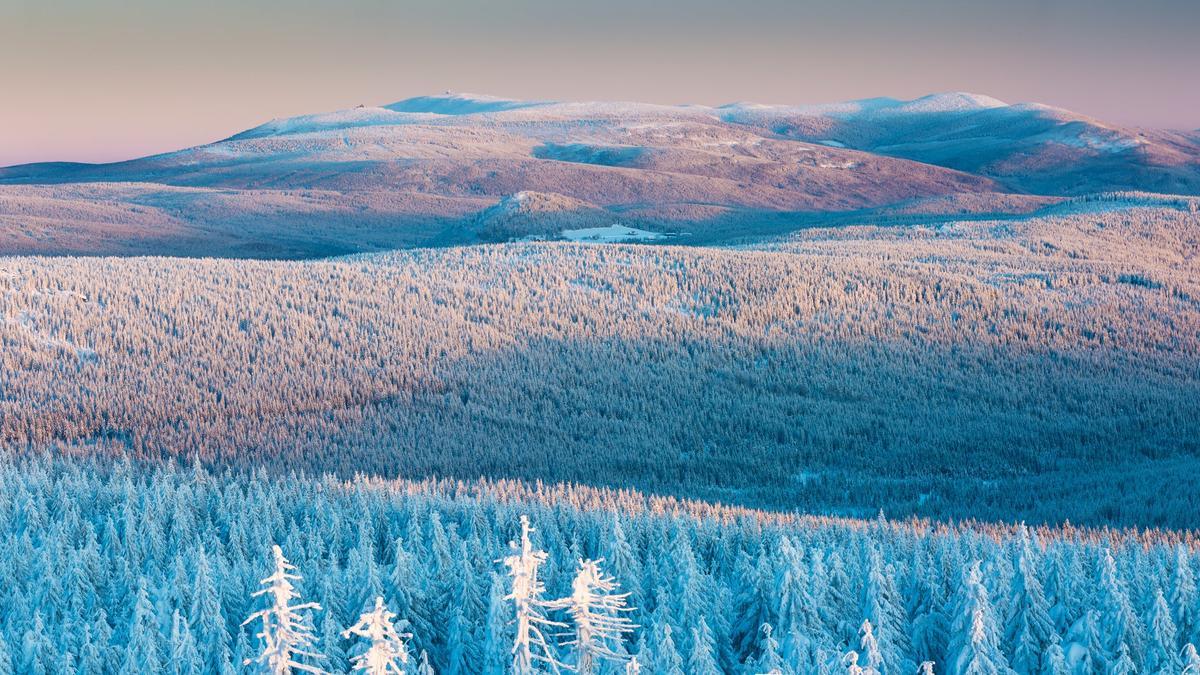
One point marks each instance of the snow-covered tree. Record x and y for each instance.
(143, 653)
(386, 652)
(599, 616)
(870, 647)
(286, 632)
(702, 660)
(185, 657)
(530, 647)
(1162, 654)
(975, 646)
(1191, 660)
(423, 667)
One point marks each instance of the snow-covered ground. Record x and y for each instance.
(610, 235)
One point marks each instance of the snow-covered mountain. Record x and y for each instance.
(424, 170)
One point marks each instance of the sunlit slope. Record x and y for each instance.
(429, 171)
(992, 369)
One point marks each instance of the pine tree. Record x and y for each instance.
(1119, 622)
(423, 667)
(769, 659)
(882, 606)
(1123, 665)
(497, 633)
(598, 615)
(286, 634)
(386, 653)
(208, 624)
(1087, 654)
(530, 646)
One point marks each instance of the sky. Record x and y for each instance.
(105, 80)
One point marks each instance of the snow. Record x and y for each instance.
(331, 121)
(461, 104)
(832, 143)
(612, 234)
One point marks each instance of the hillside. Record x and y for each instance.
(978, 368)
(426, 171)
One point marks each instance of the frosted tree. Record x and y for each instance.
(529, 646)
(37, 651)
(286, 632)
(1119, 622)
(926, 668)
(666, 659)
(143, 653)
(1123, 665)
(975, 647)
(702, 660)
(870, 647)
(386, 652)
(599, 617)
(769, 660)
(1183, 595)
(6, 661)
(423, 667)
(1029, 627)
(1161, 653)
(1191, 660)
(850, 662)
(185, 658)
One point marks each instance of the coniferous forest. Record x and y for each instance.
(110, 569)
(872, 449)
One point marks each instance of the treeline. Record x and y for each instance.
(109, 568)
(987, 369)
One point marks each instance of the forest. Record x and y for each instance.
(114, 568)
(1044, 369)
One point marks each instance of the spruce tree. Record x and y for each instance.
(286, 633)
(975, 636)
(599, 616)
(386, 651)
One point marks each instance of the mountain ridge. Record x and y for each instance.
(719, 173)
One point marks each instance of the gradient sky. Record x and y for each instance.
(102, 80)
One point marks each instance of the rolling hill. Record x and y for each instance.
(426, 171)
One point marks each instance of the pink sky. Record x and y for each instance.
(86, 80)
